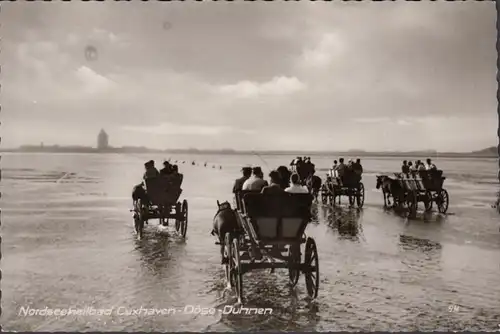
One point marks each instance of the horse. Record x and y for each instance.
(225, 221)
(313, 183)
(138, 192)
(390, 187)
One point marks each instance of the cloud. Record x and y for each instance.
(360, 75)
(92, 82)
(278, 86)
(329, 47)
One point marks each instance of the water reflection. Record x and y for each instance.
(262, 290)
(157, 252)
(314, 213)
(347, 221)
(413, 243)
(422, 262)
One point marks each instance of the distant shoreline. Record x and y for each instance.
(488, 153)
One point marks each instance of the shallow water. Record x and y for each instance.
(68, 241)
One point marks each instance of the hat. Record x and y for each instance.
(166, 163)
(149, 163)
(246, 168)
(257, 170)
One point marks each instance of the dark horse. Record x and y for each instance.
(390, 188)
(313, 183)
(138, 192)
(225, 221)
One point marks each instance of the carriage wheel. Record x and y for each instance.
(228, 239)
(428, 201)
(177, 214)
(311, 261)
(236, 273)
(139, 218)
(443, 201)
(184, 222)
(412, 203)
(361, 195)
(294, 257)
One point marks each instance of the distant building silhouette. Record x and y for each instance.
(102, 140)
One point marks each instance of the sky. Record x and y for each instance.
(376, 76)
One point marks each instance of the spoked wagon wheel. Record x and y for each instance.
(294, 258)
(227, 259)
(236, 272)
(177, 214)
(139, 218)
(428, 201)
(311, 262)
(361, 195)
(412, 202)
(443, 201)
(184, 222)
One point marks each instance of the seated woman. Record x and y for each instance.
(284, 177)
(274, 187)
(176, 179)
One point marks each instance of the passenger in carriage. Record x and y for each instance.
(334, 167)
(296, 188)
(284, 177)
(421, 166)
(274, 187)
(167, 168)
(411, 166)
(151, 170)
(341, 168)
(405, 169)
(238, 183)
(177, 177)
(256, 182)
(430, 165)
(357, 168)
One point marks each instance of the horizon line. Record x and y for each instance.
(55, 146)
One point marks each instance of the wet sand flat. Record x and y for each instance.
(68, 241)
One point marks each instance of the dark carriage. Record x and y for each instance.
(271, 236)
(423, 187)
(350, 185)
(162, 203)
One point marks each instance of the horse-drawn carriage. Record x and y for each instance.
(350, 185)
(270, 234)
(407, 190)
(162, 202)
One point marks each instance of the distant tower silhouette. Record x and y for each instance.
(102, 140)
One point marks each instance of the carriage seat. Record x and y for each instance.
(278, 216)
(163, 190)
(239, 198)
